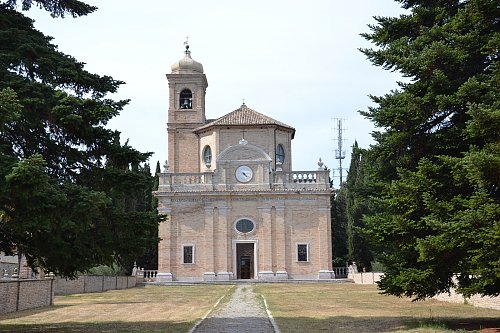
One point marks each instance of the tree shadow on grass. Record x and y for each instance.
(108, 327)
(30, 312)
(347, 324)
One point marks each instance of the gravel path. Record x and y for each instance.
(243, 313)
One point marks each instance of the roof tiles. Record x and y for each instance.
(244, 116)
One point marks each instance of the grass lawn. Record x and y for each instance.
(296, 308)
(145, 309)
(360, 308)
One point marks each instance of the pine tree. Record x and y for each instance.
(436, 164)
(71, 195)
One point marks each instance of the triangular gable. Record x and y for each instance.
(244, 116)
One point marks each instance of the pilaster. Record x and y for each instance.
(324, 244)
(209, 240)
(265, 269)
(221, 245)
(280, 244)
(165, 247)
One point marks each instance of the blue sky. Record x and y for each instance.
(295, 61)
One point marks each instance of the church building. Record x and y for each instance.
(235, 208)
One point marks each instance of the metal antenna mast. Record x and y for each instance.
(340, 152)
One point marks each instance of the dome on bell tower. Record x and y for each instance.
(187, 65)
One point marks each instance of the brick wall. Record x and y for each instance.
(93, 283)
(20, 295)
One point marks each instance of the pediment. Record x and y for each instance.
(243, 152)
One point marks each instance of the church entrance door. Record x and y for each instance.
(245, 255)
(245, 267)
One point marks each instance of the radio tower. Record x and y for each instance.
(340, 152)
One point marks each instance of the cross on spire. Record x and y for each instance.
(186, 44)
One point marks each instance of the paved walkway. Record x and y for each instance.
(243, 313)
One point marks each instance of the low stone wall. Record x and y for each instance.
(481, 302)
(23, 294)
(452, 297)
(93, 283)
(366, 278)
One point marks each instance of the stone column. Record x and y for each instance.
(209, 240)
(266, 263)
(280, 245)
(325, 243)
(165, 247)
(221, 245)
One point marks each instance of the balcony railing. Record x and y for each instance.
(278, 180)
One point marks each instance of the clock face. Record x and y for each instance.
(244, 174)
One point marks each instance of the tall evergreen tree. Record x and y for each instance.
(356, 208)
(437, 161)
(71, 196)
(339, 225)
(156, 183)
(150, 258)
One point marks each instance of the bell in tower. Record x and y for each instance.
(186, 99)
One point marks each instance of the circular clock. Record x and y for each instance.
(244, 174)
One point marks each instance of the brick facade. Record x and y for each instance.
(243, 181)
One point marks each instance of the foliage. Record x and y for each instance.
(150, 258)
(357, 186)
(436, 161)
(112, 270)
(377, 267)
(339, 224)
(71, 195)
(57, 8)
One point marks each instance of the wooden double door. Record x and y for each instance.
(245, 260)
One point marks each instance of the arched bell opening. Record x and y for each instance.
(186, 99)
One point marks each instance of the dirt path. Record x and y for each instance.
(243, 313)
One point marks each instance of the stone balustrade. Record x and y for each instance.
(341, 272)
(172, 182)
(148, 274)
(279, 181)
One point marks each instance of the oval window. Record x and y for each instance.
(207, 155)
(245, 226)
(280, 154)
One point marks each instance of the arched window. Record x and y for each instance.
(245, 226)
(207, 156)
(186, 99)
(280, 154)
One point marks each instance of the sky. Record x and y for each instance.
(295, 61)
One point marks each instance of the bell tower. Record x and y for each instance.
(187, 86)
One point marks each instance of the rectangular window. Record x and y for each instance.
(303, 252)
(188, 254)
